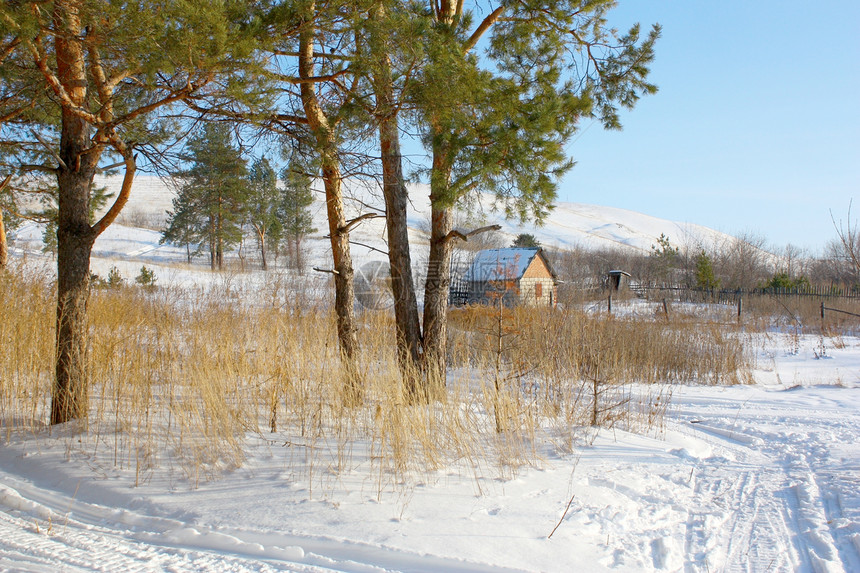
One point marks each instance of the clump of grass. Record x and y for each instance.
(183, 377)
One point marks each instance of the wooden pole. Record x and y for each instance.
(740, 307)
(609, 303)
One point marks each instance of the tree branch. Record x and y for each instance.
(483, 27)
(50, 149)
(369, 247)
(122, 197)
(455, 234)
(355, 222)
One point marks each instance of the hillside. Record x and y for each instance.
(135, 236)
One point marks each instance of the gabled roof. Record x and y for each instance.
(501, 264)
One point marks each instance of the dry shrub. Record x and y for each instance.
(184, 377)
(27, 326)
(578, 367)
(768, 312)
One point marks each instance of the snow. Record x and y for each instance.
(762, 477)
(759, 477)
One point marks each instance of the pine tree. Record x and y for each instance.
(94, 76)
(212, 193)
(181, 227)
(503, 129)
(705, 276)
(664, 258)
(262, 206)
(525, 240)
(296, 218)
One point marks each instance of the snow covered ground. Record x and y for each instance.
(764, 477)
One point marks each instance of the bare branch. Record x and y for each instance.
(50, 149)
(455, 234)
(849, 236)
(121, 199)
(369, 247)
(43, 168)
(355, 222)
(483, 27)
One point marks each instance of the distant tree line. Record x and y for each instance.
(741, 263)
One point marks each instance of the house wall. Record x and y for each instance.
(528, 292)
(538, 273)
(537, 269)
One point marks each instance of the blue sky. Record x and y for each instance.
(756, 127)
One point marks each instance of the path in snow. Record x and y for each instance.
(745, 478)
(778, 494)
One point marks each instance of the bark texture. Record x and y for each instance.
(406, 318)
(75, 236)
(326, 143)
(438, 283)
(4, 247)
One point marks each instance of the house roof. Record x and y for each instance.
(501, 264)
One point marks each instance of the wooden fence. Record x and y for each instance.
(684, 294)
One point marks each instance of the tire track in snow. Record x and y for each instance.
(781, 496)
(42, 534)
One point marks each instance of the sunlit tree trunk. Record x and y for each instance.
(75, 236)
(326, 144)
(406, 318)
(437, 287)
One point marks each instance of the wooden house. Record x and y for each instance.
(513, 276)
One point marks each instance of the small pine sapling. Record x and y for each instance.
(146, 278)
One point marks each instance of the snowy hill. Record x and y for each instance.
(568, 225)
(133, 240)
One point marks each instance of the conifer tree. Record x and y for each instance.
(504, 129)
(212, 194)
(705, 276)
(262, 206)
(180, 226)
(326, 108)
(663, 259)
(296, 219)
(97, 73)
(525, 240)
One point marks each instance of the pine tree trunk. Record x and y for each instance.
(4, 247)
(436, 292)
(74, 245)
(262, 235)
(438, 283)
(212, 255)
(75, 237)
(403, 286)
(408, 327)
(219, 242)
(326, 144)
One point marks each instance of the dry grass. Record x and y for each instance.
(804, 313)
(183, 378)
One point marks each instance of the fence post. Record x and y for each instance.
(740, 307)
(822, 310)
(609, 303)
(666, 309)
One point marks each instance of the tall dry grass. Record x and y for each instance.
(185, 377)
